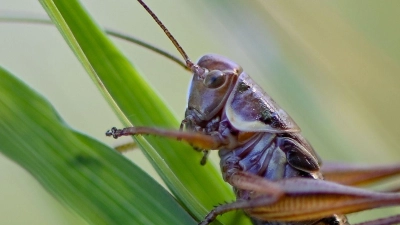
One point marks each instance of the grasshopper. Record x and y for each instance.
(277, 176)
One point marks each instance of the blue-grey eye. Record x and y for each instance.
(214, 79)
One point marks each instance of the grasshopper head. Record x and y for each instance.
(214, 77)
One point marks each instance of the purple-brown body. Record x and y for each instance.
(260, 138)
(274, 171)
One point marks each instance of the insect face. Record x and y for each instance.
(211, 85)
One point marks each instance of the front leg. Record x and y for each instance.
(197, 140)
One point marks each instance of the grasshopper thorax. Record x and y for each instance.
(212, 82)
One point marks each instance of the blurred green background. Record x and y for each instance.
(334, 66)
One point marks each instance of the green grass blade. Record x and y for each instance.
(198, 188)
(92, 179)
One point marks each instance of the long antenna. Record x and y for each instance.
(189, 63)
(14, 17)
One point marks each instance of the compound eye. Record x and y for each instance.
(214, 79)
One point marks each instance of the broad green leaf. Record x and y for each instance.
(198, 188)
(89, 177)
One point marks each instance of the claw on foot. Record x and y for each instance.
(114, 132)
(209, 218)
